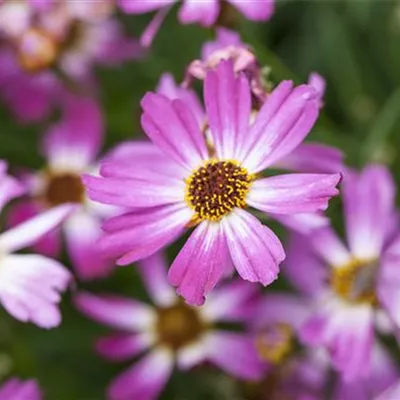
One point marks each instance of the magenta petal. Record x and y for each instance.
(255, 10)
(120, 346)
(204, 12)
(15, 389)
(313, 158)
(143, 6)
(255, 250)
(228, 105)
(369, 204)
(144, 380)
(139, 234)
(154, 275)
(293, 193)
(10, 188)
(201, 263)
(172, 126)
(235, 354)
(114, 311)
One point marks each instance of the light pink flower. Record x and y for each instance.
(171, 333)
(205, 12)
(70, 147)
(351, 285)
(177, 182)
(15, 389)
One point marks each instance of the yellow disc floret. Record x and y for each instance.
(216, 188)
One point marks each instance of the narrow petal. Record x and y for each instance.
(229, 302)
(293, 193)
(27, 233)
(281, 125)
(192, 354)
(146, 379)
(204, 12)
(154, 275)
(30, 288)
(255, 10)
(369, 205)
(120, 346)
(75, 141)
(304, 223)
(228, 105)
(255, 250)
(143, 6)
(172, 126)
(82, 234)
(139, 234)
(235, 354)
(148, 35)
(10, 188)
(117, 312)
(201, 263)
(313, 158)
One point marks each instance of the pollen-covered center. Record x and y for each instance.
(178, 325)
(64, 188)
(356, 282)
(275, 343)
(216, 188)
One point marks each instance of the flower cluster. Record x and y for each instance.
(225, 181)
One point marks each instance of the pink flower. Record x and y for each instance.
(204, 12)
(70, 147)
(177, 182)
(171, 333)
(15, 389)
(30, 284)
(351, 286)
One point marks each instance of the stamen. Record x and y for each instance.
(64, 188)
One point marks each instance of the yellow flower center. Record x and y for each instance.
(275, 343)
(216, 188)
(64, 188)
(178, 325)
(355, 282)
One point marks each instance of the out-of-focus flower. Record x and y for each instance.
(350, 286)
(15, 389)
(172, 333)
(205, 13)
(391, 393)
(30, 284)
(70, 147)
(53, 40)
(188, 184)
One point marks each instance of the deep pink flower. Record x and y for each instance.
(351, 286)
(70, 147)
(15, 389)
(171, 333)
(205, 12)
(178, 182)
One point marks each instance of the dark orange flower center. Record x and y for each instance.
(64, 188)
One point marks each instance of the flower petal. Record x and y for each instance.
(117, 312)
(228, 106)
(30, 287)
(27, 233)
(201, 263)
(369, 205)
(144, 380)
(143, 6)
(235, 354)
(293, 193)
(172, 126)
(154, 275)
(255, 250)
(10, 188)
(204, 12)
(255, 10)
(121, 346)
(15, 389)
(139, 234)
(282, 123)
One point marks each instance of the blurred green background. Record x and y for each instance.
(355, 45)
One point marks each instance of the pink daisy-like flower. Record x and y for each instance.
(204, 12)
(352, 287)
(15, 389)
(178, 182)
(70, 147)
(30, 284)
(171, 332)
